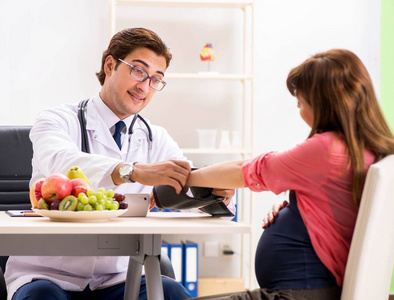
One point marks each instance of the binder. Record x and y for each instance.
(235, 199)
(190, 263)
(175, 252)
(157, 209)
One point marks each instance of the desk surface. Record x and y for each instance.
(154, 223)
(139, 238)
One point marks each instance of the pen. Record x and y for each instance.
(30, 214)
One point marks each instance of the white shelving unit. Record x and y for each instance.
(244, 76)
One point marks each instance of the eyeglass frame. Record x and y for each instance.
(147, 75)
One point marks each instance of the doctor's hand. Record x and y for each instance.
(226, 193)
(169, 172)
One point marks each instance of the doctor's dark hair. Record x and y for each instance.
(337, 86)
(127, 40)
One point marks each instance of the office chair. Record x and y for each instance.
(16, 153)
(371, 257)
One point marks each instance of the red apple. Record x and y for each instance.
(80, 182)
(56, 187)
(35, 192)
(78, 189)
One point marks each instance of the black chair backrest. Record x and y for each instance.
(16, 153)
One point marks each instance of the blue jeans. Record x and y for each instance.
(42, 289)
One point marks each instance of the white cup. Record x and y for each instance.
(225, 140)
(207, 138)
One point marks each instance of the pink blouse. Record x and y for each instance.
(318, 171)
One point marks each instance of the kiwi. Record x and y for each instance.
(69, 203)
(42, 204)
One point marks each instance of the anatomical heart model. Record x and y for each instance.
(207, 54)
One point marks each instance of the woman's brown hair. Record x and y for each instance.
(337, 86)
(127, 40)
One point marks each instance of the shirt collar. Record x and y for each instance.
(107, 115)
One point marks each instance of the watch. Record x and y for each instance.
(126, 170)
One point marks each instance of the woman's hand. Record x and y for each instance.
(152, 201)
(269, 219)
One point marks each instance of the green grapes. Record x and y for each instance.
(82, 198)
(110, 193)
(101, 190)
(80, 206)
(99, 195)
(87, 207)
(99, 207)
(114, 205)
(92, 199)
(100, 200)
(90, 192)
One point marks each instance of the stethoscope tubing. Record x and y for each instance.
(82, 121)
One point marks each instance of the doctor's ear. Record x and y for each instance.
(109, 65)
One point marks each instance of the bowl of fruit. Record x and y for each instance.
(69, 198)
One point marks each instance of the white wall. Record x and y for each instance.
(51, 49)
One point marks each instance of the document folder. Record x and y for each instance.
(190, 263)
(175, 255)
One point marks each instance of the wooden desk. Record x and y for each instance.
(139, 238)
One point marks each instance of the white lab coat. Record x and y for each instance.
(56, 138)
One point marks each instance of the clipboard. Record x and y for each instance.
(22, 213)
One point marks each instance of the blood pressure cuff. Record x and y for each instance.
(203, 199)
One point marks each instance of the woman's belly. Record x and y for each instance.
(285, 258)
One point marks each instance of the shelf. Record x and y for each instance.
(189, 3)
(215, 151)
(209, 75)
(244, 68)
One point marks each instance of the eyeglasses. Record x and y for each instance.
(140, 75)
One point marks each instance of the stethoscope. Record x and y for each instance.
(82, 122)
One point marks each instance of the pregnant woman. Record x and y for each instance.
(303, 254)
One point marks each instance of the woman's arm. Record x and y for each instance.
(226, 175)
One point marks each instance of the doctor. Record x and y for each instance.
(132, 71)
